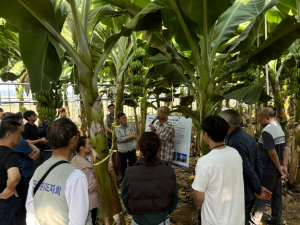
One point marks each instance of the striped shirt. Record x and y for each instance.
(272, 138)
(166, 132)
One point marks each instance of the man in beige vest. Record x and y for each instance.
(62, 197)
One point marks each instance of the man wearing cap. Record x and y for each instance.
(62, 114)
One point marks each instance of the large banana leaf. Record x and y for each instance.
(98, 14)
(167, 70)
(41, 60)
(173, 19)
(14, 12)
(249, 95)
(248, 36)
(277, 43)
(214, 9)
(241, 11)
(190, 113)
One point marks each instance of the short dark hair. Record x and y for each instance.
(28, 113)
(1, 110)
(60, 132)
(120, 114)
(149, 143)
(81, 142)
(19, 116)
(8, 115)
(8, 126)
(110, 105)
(216, 127)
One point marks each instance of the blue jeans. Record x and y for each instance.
(131, 156)
(13, 211)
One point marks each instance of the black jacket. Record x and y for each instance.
(246, 145)
(150, 187)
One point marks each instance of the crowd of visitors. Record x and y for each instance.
(43, 182)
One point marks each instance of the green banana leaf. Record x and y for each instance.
(187, 100)
(8, 76)
(249, 35)
(41, 59)
(169, 71)
(249, 95)
(240, 12)
(214, 9)
(277, 42)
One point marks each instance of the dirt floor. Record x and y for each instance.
(187, 214)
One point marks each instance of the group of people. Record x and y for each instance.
(232, 184)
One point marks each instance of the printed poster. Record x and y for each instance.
(182, 140)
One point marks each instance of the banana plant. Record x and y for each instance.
(41, 38)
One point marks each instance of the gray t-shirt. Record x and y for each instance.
(272, 137)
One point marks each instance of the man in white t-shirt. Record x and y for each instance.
(218, 185)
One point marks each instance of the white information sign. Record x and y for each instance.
(183, 129)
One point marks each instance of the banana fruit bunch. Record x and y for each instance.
(296, 78)
(138, 71)
(297, 56)
(48, 102)
(250, 78)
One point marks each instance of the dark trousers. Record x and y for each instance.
(94, 215)
(109, 141)
(131, 156)
(13, 211)
(248, 206)
(273, 184)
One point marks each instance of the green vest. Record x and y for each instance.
(50, 202)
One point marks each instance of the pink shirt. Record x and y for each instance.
(88, 169)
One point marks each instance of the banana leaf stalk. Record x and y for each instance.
(66, 100)
(295, 157)
(143, 106)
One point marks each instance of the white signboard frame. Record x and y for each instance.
(182, 141)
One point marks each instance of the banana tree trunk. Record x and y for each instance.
(83, 122)
(294, 173)
(110, 202)
(136, 121)
(143, 102)
(278, 101)
(66, 100)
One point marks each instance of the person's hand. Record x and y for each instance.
(36, 154)
(264, 195)
(283, 171)
(44, 140)
(7, 193)
(132, 135)
(152, 127)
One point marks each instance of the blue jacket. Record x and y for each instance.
(246, 145)
(43, 134)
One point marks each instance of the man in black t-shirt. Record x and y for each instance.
(12, 196)
(30, 133)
